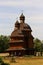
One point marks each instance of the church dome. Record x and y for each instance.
(17, 24)
(27, 26)
(22, 17)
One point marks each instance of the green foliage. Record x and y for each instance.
(1, 60)
(4, 43)
(3, 63)
(37, 44)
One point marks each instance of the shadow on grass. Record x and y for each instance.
(12, 60)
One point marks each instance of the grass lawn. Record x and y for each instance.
(25, 61)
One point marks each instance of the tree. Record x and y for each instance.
(37, 44)
(4, 43)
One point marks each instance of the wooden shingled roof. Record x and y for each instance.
(16, 48)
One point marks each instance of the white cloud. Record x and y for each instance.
(27, 3)
(37, 31)
(40, 18)
(15, 3)
(37, 3)
(7, 15)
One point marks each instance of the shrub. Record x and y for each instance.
(2, 62)
(5, 63)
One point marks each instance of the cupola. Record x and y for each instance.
(22, 18)
(17, 24)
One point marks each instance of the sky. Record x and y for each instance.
(10, 11)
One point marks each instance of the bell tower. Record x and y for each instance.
(22, 18)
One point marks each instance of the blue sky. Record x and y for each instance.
(11, 9)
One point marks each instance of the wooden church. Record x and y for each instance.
(21, 39)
